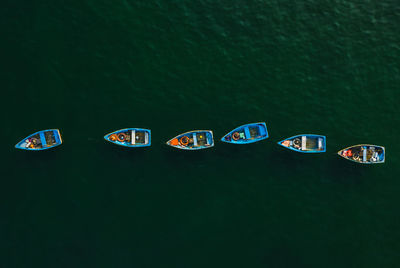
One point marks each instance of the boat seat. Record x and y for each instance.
(43, 139)
(364, 154)
(133, 137)
(56, 136)
(194, 139)
(207, 142)
(303, 143)
(320, 144)
(146, 138)
(262, 130)
(247, 132)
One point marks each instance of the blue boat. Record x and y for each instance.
(248, 133)
(305, 143)
(41, 140)
(130, 137)
(364, 154)
(193, 140)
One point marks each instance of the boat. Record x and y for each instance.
(193, 140)
(130, 137)
(41, 140)
(248, 133)
(305, 143)
(364, 154)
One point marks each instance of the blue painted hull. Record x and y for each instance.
(41, 140)
(364, 154)
(305, 143)
(123, 137)
(196, 140)
(246, 134)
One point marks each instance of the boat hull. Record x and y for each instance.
(130, 137)
(41, 140)
(246, 134)
(193, 140)
(305, 143)
(364, 154)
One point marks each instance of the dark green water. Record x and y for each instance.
(91, 67)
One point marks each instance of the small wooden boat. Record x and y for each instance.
(130, 137)
(41, 140)
(248, 133)
(305, 143)
(364, 153)
(193, 140)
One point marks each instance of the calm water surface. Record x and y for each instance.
(91, 67)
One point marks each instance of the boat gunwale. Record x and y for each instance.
(129, 145)
(300, 151)
(35, 133)
(192, 149)
(363, 144)
(247, 141)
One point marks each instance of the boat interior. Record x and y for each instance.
(364, 154)
(307, 143)
(40, 140)
(202, 139)
(254, 132)
(245, 133)
(132, 137)
(192, 140)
